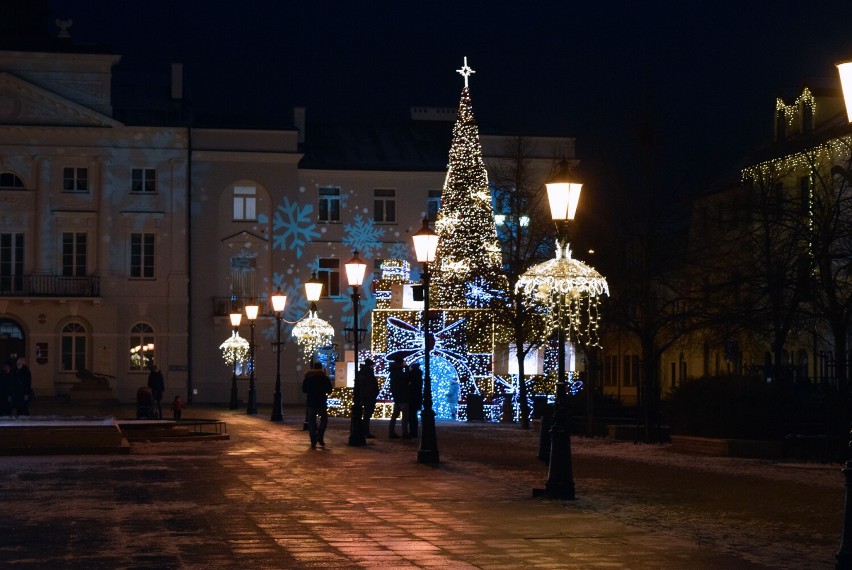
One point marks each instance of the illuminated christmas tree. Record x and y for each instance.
(467, 268)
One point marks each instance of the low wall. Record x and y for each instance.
(58, 436)
(721, 447)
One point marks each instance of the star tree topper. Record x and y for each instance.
(465, 71)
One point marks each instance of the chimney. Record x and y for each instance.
(299, 122)
(177, 81)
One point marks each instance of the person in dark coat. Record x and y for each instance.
(7, 389)
(399, 392)
(415, 396)
(317, 386)
(23, 388)
(369, 392)
(157, 385)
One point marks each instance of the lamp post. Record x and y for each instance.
(844, 552)
(235, 324)
(251, 314)
(313, 292)
(425, 246)
(279, 300)
(563, 196)
(355, 269)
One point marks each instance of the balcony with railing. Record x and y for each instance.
(49, 286)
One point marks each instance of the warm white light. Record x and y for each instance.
(150, 346)
(279, 300)
(355, 269)
(563, 198)
(845, 70)
(425, 243)
(251, 312)
(313, 288)
(235, 319)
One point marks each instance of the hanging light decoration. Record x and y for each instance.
(234, 349)
(311, 334)
(573, 286)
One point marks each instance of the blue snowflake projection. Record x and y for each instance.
(363, 235)
(477, 294)
(292, 226)
(399, 250)
(366, 304)
(295, 309)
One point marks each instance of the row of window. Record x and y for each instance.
(74, 347)
(75, 253)
(329, 202)
(76, 179)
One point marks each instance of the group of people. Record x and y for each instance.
(156, 387)
(406, 386)
(16, 388)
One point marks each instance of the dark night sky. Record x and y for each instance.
(704, 73)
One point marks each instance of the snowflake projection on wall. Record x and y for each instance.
(399, 250)
(295, 309)
(478, 295)
(365, 305)
(292, 226)
(363, 235)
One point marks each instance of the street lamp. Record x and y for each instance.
(844, 553)
(251, 314)
(235, 324)
(313, 292)
(425, 246)
(355, 269)
(279, 300)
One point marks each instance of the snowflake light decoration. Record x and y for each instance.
(293, 226)
(478, 295)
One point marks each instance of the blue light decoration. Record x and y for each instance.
(461, 345)
(478, 295)
(364, 236)
(293, 226)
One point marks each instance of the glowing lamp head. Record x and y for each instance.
(236, 318)
(279, 300)
(425, 243)
(562, 194)
(313, 288)
(355, 269)
(251, 312)
(845, 70)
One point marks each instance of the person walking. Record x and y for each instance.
(23, 387)
(369, 393)
(157, 385)
(399, 392)
(317, 386)
(414, 379)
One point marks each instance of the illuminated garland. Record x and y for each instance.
(832, 151)
(234, 349)
(791, 111)
(312, 334)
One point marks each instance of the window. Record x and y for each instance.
(11, 262)
(611, 370)
(141, 346)
(384, 205)
(631, 370)
(10, 181)
(73, 254)
(75, 179)
(328, 271)
(73, 347)
(245, 203)
(143, 180)
(433, 204)
(243, 278)
(328, 207)
(142, 256)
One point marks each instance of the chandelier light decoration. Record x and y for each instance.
(234, 349)
(573, 287)
(311, 334)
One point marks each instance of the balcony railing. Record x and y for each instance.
(223, 306)
(49, 286)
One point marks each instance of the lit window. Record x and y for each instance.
(245, 203)
(141, 346)
(525, 221)
(499, 219)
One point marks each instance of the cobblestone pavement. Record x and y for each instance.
(264, 499)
